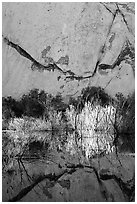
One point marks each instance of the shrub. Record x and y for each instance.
(21, 132)
(96, 95)
(125, 121)
(94, 129)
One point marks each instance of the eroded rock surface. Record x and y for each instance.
(77, 37)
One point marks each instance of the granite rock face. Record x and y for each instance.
(89, 44)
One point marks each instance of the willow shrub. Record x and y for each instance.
(94, 129)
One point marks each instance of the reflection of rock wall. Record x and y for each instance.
(110, 183)
(75, 36)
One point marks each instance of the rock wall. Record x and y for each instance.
(77, 37)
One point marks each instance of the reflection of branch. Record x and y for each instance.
(52, 177)
(28, 176)
(20, 172)
(25, 191)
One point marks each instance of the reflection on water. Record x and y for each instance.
(24, 177)
(22, 174)
(25, 180)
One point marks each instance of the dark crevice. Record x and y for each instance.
(125, 50)
(96, 67)
(78, 78)
(127, 54)
(107, 8)
(52, 67)
(105, 66)
(113, 19)
(40, 178)
(103, 188)
(106, 195)
(39, 67)
(69, 74)
(53, 177)
(21, 51)
(103, 48)
(124, 19)
(127, 188)
(26, 190)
